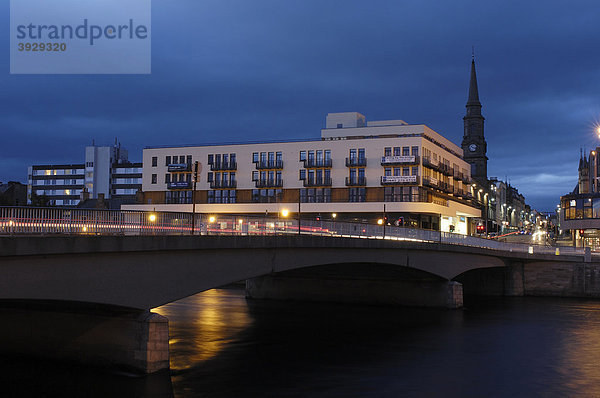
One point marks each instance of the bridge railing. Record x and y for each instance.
(31, 220)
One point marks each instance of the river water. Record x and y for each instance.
(223, 345)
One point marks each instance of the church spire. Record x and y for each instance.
(473, 144)
(473, 91)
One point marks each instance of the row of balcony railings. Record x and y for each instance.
(226, 184)
(317, 182)
(223, 166)
(269, 183)
(316, 163)
(269, 164)
(59, 221)
(350, 162)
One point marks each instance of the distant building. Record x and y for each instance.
(579, 211)
(13, 194)
(106, 171)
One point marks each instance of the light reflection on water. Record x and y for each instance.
(205, 324)
(225, 346)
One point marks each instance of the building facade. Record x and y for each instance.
(358, 170)
(579, 211)
(106, 171)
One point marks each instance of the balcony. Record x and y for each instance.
(179, 167)
(313, 182)
(427, 162)
(457, 175)
(223, 166)
(445, 169)
(399, 180)
(356, 181)
(466, 179)
(269, 164)
(356, 162)
(220, 184)
(395, 160)
(430, 181)
(458, 191)
(277, 183)
(312, 163)
(179, 185)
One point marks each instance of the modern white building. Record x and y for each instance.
(106, 172)
(358, 171)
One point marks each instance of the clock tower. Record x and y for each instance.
(473, 143)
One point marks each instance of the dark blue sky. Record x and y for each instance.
(244, 70)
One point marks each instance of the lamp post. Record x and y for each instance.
(299, 217)
(194, 197)
(384, 221)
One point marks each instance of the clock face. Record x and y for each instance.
(472, 147)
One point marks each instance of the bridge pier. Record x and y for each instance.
(132, 341)
(418, 293)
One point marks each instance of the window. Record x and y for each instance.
(154, 178)
(303, 174)
(405, 151)
(396, 151)
(167, 160)
(340, 125)
(352, 154)
(415, 151)
(154, 161)
(387, 151)
(415, 171)
(387, 171)
(302, 156)
(255, 157)
(361, 153)
(405, 171)
(397, 171)
(278, 157)
(255, 176)
(189, 159)
(232, 158)
(182, 159)
(211, 159)
(357, 195)
(167, 178)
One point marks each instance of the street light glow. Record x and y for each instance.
(334, 215)
(380, 221)
(285, 212)
(211, 219)
(152, 217)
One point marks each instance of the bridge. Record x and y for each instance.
(81, 285)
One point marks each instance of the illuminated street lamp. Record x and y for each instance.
(380, 221)
(152, 217)
(285, 212)
(334, 215)
(211, 219)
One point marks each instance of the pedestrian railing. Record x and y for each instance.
(46, 221)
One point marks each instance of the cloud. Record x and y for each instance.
(247, 71)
